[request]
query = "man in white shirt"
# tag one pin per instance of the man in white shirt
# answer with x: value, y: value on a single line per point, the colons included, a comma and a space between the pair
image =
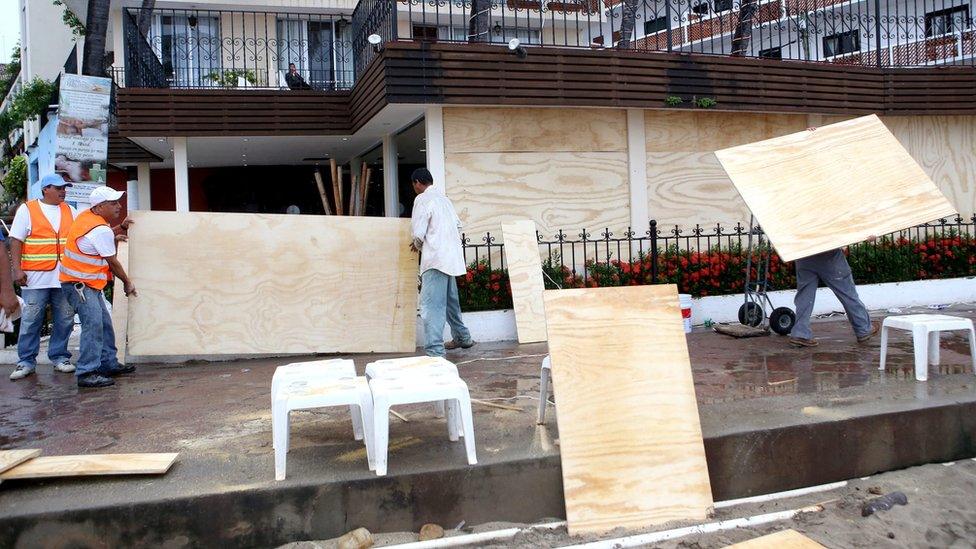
x: 436, y: 231
x: 36, y: 242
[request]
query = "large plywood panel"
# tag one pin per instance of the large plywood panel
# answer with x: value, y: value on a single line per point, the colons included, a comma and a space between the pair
x: 214, y: 283
x: 684, y: 131
x: 525, y: 277
x: 787, y: 539
x: 685, y: 188
x: 555, y: 190
x: 96, y: 464
x: 11, y: 458
x: 120, y: 304
x: 821, y: 190
x: 630, y: 438
x: 487, y: 129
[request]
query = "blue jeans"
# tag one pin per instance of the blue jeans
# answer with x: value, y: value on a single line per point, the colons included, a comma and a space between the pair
x: 98, y: 353
x: 439, y: 302
x: 31, y: 320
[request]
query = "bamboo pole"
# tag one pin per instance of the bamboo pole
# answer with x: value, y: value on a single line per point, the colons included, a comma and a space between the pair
x: 368, y: 175
x: 341, y: 206
x: 353, y: 193
x: 335, y: 187
x: 321, y: 185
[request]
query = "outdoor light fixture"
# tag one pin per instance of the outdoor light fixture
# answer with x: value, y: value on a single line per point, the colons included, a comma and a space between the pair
x: 375, y: 40
x: 192, y: 20
x: 514, y: 45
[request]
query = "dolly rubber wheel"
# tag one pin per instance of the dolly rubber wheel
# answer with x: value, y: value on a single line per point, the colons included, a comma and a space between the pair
x: 781, y: 320
x: 750, y: 314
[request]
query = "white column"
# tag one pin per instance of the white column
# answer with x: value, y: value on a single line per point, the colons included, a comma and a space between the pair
x: 637, y: 160
x: 434, y: 126
x: 181, y: 174
x: 391, y: 184
x: 145, y: 193
x: 118, y: 39
x: 132, y: 194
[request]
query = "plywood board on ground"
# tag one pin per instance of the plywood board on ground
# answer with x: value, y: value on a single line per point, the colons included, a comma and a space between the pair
x: 787, y: 539
x: 630, y: 436
x: 120, y: 303
x: 525, y: 277
x: 218, y: 283
x: 820, y: 190
x: 11, y: 458
x: 90, y: 465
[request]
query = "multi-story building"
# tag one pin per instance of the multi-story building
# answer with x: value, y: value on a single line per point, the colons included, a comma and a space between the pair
x: 208, y: 119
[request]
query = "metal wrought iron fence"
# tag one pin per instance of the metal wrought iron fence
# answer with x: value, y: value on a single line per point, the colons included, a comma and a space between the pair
x: 945, y: 248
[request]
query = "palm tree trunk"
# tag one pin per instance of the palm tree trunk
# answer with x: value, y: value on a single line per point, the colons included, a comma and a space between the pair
x: 743, y: 29
x: 145, y: 16
x: 478, y: 23
x: 96, y: 25
x: 628, y: 12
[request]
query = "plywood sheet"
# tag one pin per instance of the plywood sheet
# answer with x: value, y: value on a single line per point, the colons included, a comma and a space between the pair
x: 787, y: 539
x: 218, y: 283
x: 487, y: 129
x: 11, y: 458
x: 689, y: 188
x: 820, y: 190
x: 96, y: 464
x: 630, y: 437
x: 690, y: 131
x: 525, y: 277
x: 566, y: 191
x: 120, y: 304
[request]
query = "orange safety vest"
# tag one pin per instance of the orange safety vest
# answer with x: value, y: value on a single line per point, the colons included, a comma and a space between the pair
x: 77, y: 266
x: 43, y: 247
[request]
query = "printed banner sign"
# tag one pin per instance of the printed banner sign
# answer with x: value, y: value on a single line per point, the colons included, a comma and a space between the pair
x: 81, y: 153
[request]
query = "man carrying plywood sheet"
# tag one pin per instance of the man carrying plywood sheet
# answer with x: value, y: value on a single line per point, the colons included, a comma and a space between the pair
x: 815, y: 192
x: 436, y: 231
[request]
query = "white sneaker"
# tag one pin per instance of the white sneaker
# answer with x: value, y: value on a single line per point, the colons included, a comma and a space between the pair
x: 21, y: 372
x: 64, y: 367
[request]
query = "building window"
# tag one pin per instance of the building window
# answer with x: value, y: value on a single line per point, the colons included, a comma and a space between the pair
x: 841, y: 43
x: 946, y: 21
x: 700, y: 9
x: 309, y: 45
x: 427, y: 33
x: 656, y: 25
x: 189, y: 48
x: 722, y: 5
x: 771, y: 53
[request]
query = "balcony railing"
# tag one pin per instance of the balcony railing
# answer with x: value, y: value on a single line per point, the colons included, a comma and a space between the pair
x: 191, y: 48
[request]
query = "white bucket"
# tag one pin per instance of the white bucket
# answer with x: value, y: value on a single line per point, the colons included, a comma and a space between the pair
x: 685, y: 301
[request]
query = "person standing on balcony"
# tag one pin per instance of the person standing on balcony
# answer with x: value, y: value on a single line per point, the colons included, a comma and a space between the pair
x: 88, y: 265
x: 37, y: 236
x: 436, y: 231
x: 295, y: 80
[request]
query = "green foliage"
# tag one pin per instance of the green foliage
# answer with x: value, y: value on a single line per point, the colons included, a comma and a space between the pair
x: 228, y: 79
x: 673, y: 101
x: 484, y: 289
x: 29, y: 103
x: 15, y: 182
x: 71, y: 20
x: 705, y: 102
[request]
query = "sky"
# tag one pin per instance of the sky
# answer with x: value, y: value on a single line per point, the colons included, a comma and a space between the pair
x: 9, y: 27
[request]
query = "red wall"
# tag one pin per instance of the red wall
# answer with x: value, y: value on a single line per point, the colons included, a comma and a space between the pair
x: 163, y: 186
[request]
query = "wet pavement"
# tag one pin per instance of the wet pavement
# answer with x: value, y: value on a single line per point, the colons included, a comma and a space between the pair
x: 217, y: 415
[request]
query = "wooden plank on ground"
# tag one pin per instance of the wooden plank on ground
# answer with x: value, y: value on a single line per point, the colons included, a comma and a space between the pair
x: 630, y: 437
x: 12, y: 458
x: 525, y: 277
x: 87, y: 465
x: 787, y: 539
x: 815, y: 191
x: 220, y: 283
x: 120, y: 303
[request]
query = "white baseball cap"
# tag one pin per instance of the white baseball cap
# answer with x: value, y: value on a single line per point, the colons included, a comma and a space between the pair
x: 104, y: 194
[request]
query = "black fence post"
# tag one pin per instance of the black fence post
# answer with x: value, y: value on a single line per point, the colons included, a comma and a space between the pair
x: 653, y: 235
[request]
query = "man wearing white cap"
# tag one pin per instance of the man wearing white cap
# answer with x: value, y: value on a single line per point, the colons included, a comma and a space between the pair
x: 37, y: 238
x: 88, y: 264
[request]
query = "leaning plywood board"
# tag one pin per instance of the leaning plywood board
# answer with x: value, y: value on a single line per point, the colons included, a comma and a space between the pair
x: 819, y: 190
x: 630, y: 437
x: 525, y: 277
x: 95, y: 464
x: 11, y: 458
x: 120, y: 304
x: 217, y: 283
x: 787, y: 539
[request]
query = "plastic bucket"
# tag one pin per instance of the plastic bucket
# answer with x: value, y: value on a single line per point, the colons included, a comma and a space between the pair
x: 685, y: 302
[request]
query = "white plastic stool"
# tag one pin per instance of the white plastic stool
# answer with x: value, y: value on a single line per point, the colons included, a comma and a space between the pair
x: 925, y: 337
x: 544, y: 388
x: 411, y: 367
x: 432, y: 388
x: 318, y: 369
x: 303, y: 394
